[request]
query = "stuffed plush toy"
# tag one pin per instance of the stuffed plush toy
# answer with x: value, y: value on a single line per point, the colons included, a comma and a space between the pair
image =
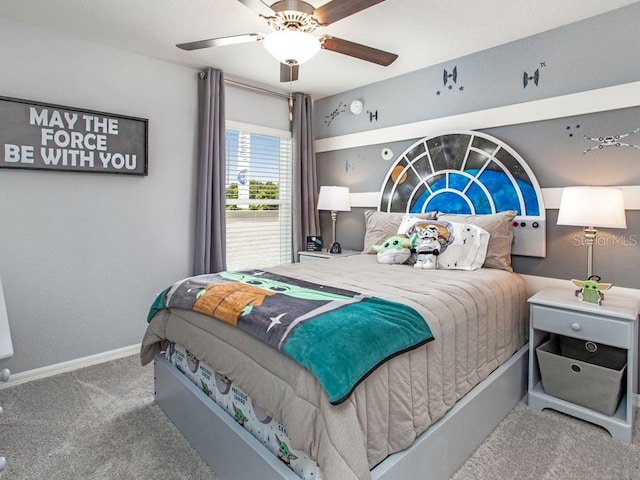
x: 432, y: 239
x: 591, y: 289
x: 427, y: 248
x: 395, y: 250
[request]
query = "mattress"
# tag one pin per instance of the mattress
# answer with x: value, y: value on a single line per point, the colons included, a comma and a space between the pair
x: 478, y: 318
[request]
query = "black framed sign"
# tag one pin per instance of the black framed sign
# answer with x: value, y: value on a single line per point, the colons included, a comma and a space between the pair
x: 314, y: 244
x: 41, y: 136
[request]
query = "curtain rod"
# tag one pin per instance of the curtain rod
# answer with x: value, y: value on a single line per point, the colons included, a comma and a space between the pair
x: 256, y: 89
x: 246, y: 86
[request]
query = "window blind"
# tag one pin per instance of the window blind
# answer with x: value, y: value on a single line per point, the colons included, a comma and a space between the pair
x: 258, y: 197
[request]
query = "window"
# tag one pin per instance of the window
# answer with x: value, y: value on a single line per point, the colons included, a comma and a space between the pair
x: 258, y: 196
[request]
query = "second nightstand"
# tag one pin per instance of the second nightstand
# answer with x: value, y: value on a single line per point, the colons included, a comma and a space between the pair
x: 614, y: 323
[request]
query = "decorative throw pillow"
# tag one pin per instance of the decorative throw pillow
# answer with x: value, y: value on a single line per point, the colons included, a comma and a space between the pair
x: 468, y: 249
x: 499, y: 226
x: 382, y: 225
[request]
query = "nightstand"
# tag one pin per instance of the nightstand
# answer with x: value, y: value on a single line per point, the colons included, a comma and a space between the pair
x: 614, y: 323
x: 305, y: 256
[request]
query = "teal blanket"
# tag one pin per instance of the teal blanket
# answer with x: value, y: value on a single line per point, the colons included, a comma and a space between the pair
x: 340, y: 336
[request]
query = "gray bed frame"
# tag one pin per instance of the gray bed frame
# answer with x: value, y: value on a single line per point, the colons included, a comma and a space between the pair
x: 234, y: 454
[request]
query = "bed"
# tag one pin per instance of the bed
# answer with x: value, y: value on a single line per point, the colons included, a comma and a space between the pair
x: 422, y: 411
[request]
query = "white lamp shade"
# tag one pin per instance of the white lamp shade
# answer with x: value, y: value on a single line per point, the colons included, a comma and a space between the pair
x: 334, y: 199
x: 592, y: 207
x: 291, y: 46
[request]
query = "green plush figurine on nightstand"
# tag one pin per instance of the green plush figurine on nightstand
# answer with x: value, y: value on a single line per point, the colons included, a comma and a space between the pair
x: 591, y: 289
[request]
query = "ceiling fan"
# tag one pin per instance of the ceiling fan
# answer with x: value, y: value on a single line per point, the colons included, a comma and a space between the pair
x: 291, y: 41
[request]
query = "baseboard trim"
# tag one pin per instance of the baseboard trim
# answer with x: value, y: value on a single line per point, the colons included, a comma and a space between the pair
x: 50, y: 370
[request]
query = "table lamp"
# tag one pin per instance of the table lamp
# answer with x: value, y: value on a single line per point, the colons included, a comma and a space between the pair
x: 335, y: 199
x: 591, y: 207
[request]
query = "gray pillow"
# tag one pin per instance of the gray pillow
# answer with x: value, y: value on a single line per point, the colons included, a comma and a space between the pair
x: 500, y: 228
x: 382, y: 225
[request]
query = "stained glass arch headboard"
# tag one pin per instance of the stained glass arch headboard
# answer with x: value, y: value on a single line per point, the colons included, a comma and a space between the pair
x: 468, y: 172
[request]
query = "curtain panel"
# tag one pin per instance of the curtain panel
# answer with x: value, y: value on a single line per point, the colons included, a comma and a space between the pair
x: 210, y: 245
x: 306, y: 220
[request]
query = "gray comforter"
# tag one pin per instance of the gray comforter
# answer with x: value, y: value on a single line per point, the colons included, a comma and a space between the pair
x: 479, y: 319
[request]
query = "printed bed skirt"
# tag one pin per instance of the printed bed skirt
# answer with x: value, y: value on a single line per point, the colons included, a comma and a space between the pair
x: 243, y: 410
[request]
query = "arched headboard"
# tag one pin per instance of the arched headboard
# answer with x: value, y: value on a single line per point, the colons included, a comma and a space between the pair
x: 469, y: 173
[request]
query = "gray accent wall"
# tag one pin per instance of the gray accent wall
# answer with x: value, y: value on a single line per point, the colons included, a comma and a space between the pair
x: 594, y: 53
x: 597, y: 52
x: 82, y: 256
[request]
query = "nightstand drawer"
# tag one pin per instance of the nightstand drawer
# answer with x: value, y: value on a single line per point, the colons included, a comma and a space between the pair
x: 309, y: 258
x: 306, y: 256
x: 605, y: 330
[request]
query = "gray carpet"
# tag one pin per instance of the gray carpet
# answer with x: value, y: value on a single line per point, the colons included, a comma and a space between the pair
x: 100, y: 423
x: 96, y: 423
x: 547, y: 445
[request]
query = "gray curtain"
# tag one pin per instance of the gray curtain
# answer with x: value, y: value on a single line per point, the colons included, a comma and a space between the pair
x: 210, y: 247
x: 305, y: 183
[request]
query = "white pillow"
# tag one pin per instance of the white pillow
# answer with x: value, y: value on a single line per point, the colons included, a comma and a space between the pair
x: 468, y: 249
x: 501, y: 231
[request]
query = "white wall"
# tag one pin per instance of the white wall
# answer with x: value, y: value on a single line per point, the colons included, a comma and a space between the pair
x: 83, y: 255
x: 255, y: 108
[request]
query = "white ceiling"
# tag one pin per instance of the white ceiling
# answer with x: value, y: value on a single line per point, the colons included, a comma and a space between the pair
x: 421, y: 32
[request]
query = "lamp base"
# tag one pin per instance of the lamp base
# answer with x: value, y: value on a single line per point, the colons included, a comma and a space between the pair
x: 335, y: 248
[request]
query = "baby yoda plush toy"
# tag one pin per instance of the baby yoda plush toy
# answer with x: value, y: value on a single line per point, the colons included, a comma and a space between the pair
x: 395, y: 250
x: 591, y: 290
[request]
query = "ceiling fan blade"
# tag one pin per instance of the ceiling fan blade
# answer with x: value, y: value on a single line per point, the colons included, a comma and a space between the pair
x: 338, y: 9
x: 289, y: 73
x: 357, y: 50
x: 258, y: 6
x: 221, y: 41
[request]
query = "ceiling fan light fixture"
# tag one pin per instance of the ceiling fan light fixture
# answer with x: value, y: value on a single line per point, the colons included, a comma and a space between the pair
x: 291, y: 46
